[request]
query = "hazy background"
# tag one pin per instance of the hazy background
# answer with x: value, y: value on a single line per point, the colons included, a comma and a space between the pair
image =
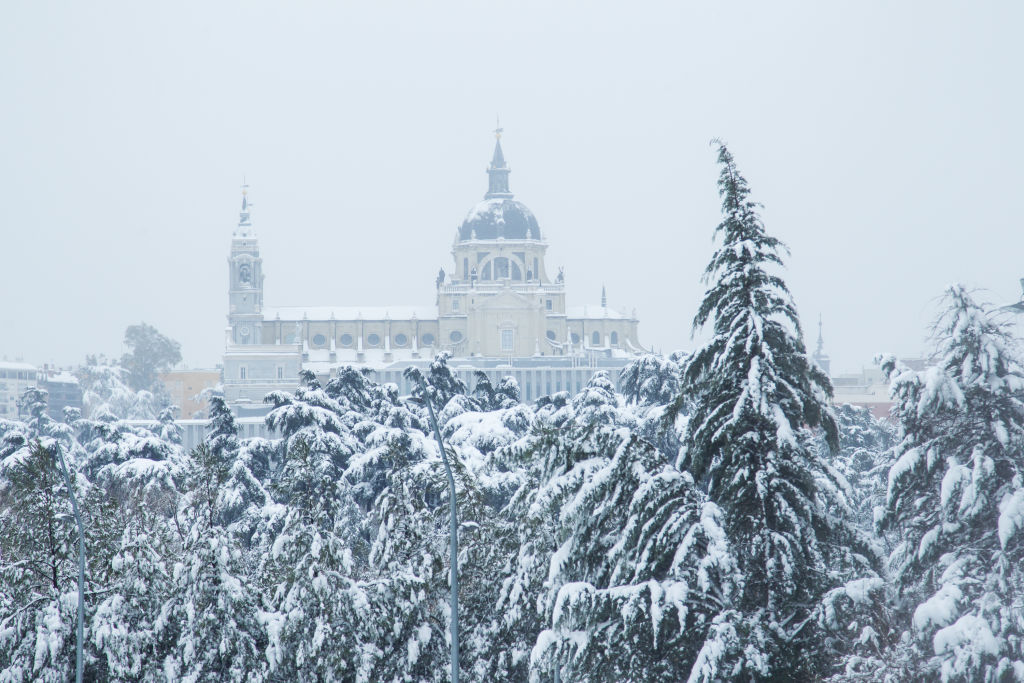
x: 883, y: 138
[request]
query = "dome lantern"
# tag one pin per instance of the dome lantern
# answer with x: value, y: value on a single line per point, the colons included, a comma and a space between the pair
x: 498, y: 171
x: 499, y: 216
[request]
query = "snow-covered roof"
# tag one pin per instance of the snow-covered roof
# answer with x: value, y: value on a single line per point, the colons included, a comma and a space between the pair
x: 594, y: 312
x: 500, y: 217
x: 350, y: 312
x: 62, y: 377
x: 11, y: 365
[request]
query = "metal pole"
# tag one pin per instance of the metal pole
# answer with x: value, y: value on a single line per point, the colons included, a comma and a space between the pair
x: 81, y: 567
x: 454, y: 537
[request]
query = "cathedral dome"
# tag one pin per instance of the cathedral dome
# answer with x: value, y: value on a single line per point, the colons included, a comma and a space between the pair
x: 499, y: 217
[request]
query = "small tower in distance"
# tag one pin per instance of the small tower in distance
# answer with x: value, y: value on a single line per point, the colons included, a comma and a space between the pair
x: 820, y: 357
x: 245, y: 280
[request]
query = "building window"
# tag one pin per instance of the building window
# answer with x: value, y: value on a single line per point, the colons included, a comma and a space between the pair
x: 547, y: 304
x: 319, y: 339
x: 241, y: 372
x: 455, y: 336
x: 401, y: 340
x: 455, y: 305
x: 373, y: 339
x: 508, y: 340
x: 615, y: 338
x: 428, y: 339
x: 595, y: 339
x: 551, y: 335
x: 536, y: 269
x: 575, y: 338
x: 280, y: 372
x: 465, y: 268
x: 346, y: 340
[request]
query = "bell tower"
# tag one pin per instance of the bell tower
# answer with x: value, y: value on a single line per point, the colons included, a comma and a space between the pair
x: 245, y: 281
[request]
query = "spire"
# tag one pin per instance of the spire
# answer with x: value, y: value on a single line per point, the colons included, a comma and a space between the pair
x: 821, y: 342
x: 604, y: 297
x: 498, y: 171
x: 820, y: 357
x: 244, y: 218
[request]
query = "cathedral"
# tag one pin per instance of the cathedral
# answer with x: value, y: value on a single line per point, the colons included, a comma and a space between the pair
x: 497, y: 311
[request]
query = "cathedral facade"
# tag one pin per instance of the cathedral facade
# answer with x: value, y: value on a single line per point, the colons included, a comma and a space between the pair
x: 497, y: 310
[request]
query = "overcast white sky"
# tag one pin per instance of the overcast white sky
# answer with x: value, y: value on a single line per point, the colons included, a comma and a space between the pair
x: 884, y: 139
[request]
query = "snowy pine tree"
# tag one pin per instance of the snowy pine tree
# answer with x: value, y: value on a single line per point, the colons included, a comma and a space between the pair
x: 317, y: 606
x: 956, y: 501
x: 752, y: 387
x: 38, y: 566
x: 209, y: 626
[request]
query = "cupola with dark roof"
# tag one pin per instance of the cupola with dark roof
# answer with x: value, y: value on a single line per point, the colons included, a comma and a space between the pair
x: 499, y: 216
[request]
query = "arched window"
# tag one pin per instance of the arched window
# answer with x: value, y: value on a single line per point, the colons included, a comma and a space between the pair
x: 486, y: 274
x: 595, y: 339
x: 500, y: 268
x: 615, y: 338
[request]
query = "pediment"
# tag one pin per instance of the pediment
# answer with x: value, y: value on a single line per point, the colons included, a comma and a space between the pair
x: 507, y: 300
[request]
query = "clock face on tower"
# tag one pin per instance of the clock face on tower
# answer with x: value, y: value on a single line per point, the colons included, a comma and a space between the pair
x: 245, y: 275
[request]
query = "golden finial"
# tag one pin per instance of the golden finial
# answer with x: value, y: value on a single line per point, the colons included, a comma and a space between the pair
x: 498, y: 131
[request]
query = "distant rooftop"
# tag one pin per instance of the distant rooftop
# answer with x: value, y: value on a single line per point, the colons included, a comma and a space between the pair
x: 12, y: 365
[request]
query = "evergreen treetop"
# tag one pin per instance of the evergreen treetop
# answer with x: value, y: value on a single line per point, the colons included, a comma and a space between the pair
x: 752, y: 390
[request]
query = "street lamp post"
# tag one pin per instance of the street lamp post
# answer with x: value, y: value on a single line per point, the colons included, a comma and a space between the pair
x: 454, y: 535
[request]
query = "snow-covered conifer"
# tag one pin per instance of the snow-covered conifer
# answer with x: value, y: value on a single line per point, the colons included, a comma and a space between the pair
x: 442, y: 382
x: 209, y: 626
x: 38, y: 566
x: 650, y: 380
x: 751, y: 388
x: 955, y: 500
